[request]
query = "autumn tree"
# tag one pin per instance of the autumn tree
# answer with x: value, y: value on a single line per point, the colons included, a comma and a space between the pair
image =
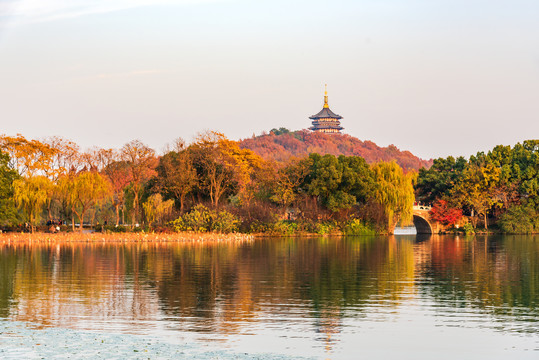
x: 222, y: 166
x: 119, y: 175
x: 30, y: 195
x: 288, y: 180
x: 176, y: 176
x: 28, y: 157
x: 141, y: 162
x: 65, y: 157
x: 476, y: 190
x: 442, y: 212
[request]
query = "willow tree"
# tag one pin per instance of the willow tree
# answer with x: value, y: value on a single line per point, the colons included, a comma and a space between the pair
x: 84, y: 191
x: 394, y: 192
x: 30, y: 195
x: 156, y: 209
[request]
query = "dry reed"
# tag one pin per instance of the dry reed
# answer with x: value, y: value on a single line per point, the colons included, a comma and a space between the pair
x: 187, y: 237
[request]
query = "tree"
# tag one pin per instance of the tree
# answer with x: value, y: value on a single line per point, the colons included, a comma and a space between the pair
x: 8, y: 211
x: 477, y: 189
x: 28, y: 157
x: 442, y: 212
x: 394, y: 191
x: 85, y: 190
x: 65, y: 157
x: 222, y: 166
x: 339, y: 183
x: 119, y: 175
x: 30, y: 195
x: 288, y: 181
x: 141, y: 161
x: 438, y: 181
x: 156, y: 209
x: 176, y: 176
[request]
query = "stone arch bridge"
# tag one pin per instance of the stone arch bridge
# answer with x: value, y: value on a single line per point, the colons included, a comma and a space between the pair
x: 422, y: 221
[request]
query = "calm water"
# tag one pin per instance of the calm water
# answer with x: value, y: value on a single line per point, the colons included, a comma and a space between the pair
x: 329, y: 298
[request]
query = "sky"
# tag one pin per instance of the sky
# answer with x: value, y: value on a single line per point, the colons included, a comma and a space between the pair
x: 435, y: 77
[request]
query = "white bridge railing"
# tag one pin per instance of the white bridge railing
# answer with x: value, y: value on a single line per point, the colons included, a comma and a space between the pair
x: 422, y: 207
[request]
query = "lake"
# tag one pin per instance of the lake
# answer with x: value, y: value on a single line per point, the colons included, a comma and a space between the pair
x: 406, y: 296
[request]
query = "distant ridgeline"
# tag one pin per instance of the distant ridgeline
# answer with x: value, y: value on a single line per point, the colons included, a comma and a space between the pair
x: 282, y: 144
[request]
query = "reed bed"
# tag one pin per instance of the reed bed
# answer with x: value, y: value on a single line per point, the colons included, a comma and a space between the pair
x: 186, y: 237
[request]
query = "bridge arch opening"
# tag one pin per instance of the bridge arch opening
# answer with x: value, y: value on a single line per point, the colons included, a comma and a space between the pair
x: 420, y: 226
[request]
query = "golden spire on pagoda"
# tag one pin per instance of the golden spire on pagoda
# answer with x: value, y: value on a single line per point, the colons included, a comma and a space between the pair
x: 326, y: 106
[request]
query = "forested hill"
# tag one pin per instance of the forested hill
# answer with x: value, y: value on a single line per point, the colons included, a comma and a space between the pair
x: 282, y: 144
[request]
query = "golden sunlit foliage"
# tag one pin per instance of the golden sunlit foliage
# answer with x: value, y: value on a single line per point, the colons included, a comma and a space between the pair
x: 30, y: 194
x: 98, y: 185
x: 394, y: 191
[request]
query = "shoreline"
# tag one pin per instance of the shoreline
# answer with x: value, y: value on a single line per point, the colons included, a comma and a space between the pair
x: 97, y: 237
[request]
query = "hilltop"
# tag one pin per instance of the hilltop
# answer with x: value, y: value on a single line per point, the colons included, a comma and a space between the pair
x: 282, y: 144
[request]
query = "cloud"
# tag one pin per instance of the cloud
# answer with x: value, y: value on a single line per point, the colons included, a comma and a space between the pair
x: 28, y: 11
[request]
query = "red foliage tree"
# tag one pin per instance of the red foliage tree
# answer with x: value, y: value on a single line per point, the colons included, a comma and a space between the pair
x: 445, y: 214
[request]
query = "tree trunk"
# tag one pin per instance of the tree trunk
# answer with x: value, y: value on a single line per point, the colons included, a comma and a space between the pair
x: 49, y: 210
x: 182, y: 198
x: 117, y: 207
x: 486, y: 224
x: 73, y: 218
x: 135, y: 209
x: 81, y: 218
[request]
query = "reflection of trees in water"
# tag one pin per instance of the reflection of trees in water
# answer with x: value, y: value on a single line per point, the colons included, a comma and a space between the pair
x: 207, y: 286
x: 219, y: 287
x: 62, y: 285
x: 496, y: 274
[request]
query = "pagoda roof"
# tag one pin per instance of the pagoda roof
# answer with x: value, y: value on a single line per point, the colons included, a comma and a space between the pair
x: 326, y: 113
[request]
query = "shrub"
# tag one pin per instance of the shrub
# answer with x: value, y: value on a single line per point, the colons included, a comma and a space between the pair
x: 285, y: 227
x: 197, y: 220
x: 202, y: 219
x: 357, y: 227
x: 468, y: 229
x: 258, y: 227
x: 224, y: 222
x: 324, y: 228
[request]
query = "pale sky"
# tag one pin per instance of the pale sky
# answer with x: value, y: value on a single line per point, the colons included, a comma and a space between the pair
x: 436, y: 77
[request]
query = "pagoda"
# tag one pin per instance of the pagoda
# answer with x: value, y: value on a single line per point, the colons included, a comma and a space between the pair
x: 326, y: 121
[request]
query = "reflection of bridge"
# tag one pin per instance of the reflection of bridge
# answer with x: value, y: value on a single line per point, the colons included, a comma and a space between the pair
x: 422, y: 221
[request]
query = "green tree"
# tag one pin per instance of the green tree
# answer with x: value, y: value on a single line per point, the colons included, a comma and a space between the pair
x: 339, y: 182
x: 8, y: 211
x: 438, y: 181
